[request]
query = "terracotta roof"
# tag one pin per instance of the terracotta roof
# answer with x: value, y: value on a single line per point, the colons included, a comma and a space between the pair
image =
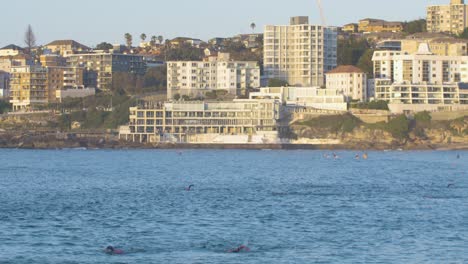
x: 345, y: 69
x: 67, y: 42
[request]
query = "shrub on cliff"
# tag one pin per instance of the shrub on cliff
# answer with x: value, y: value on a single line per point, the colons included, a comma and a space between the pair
x: 4, y: 106
x: 333, y: 123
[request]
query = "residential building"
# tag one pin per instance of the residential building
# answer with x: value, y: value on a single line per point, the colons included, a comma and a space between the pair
x: 35, y: 85
x: 350, y: 80
x: 28, y: 87
x: 315, y: 97
x: 350, y: 28
x: 300, y: 53
x: 183, y: 40
x: 7, y: 62
x: 4, y: 84
x: 196, y: 78
x: 11, y: 50
x: 370, y: 25
x: 195, y: 121
x: 64, y: 78
x: 100, y: 67
x: 421, y: 81
x: 52, y: 60
x: 439, y: 44
x: 66, y: 47
x: 451, y: 18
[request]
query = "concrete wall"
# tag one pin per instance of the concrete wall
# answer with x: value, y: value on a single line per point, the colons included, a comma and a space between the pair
x: 401, y: 108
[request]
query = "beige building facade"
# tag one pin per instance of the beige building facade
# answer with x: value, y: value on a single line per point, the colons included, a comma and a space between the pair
x: 451, y: 18
x: 300, y: 53
x: 28, y: 87
x: 195, y: 78
x: 350, y: 80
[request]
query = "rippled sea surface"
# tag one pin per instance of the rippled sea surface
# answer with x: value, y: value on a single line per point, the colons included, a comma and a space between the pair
x: 65, y: 206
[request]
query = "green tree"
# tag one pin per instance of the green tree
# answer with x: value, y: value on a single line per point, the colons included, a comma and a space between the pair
x: 277, y: 83
x: 399, y: 127
x: 153, y: 40
x: 365, y: 62
x: 351, y: 50
x: 160, y: 39
x: 464, y: 34
x: 29, y: 39
x: 415, y: 26
x: 104, y: 46
x: 143, y: 37
x: 128, y: 40
x: 253, y: 26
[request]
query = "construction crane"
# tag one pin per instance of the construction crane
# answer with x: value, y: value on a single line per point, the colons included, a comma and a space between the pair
x: 322, y: 14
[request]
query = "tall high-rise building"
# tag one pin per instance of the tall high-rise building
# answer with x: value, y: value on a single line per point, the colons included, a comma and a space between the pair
x: 452, y: 18
x: 300, y: 53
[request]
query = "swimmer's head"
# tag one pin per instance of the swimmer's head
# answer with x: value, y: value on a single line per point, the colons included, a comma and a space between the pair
x: 110, y: 249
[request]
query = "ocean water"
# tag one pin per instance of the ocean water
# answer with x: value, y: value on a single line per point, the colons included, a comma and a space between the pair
x: 65, y: 206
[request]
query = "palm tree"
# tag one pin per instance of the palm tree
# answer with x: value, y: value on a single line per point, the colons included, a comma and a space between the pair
x: 128, y: 39
x: 153, y: 40
x: 160, y: 39
x: 253, y: 26
x: 143, y: 37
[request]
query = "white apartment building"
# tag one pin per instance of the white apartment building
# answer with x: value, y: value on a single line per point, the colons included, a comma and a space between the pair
x: 188, y: 121
x: 195, y: 78
x: 300, y: 53
x: 421, y: 81
x: 452, y: 18
x: 349, y: 80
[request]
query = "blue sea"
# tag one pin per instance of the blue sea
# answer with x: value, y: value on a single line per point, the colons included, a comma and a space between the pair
x: 66, y: 206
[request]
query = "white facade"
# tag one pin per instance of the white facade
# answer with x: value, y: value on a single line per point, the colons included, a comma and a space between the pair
x: 325, y: 99
x: 421, y: 67
x: 76, y: 92
x: 300, y: 53
x: 195, y: 78
x: 349, y: 80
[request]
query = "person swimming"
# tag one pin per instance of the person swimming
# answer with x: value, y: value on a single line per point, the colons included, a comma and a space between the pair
x: 239, y: 249
x: 188, y: 189
x: 113, y: 251
x: 357, y: 156
x: 365, y: 156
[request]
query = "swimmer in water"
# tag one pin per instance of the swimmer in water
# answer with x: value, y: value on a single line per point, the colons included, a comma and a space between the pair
x: 357, y: 156
x: 188, y: 189
x: 335, y: 156
x: 365, y: 156
x: 239, y: 249
x: 113, y: 251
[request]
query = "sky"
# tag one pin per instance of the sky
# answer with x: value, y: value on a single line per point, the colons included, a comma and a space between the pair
x: 93, y: 21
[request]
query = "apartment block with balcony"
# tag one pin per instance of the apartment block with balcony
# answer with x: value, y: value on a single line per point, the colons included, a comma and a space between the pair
x: 421, y: 81
x: 182, y: 121
x: 300, y: 53
x: 196, y: 78
x: 4, y: 84
x: 100, y: 67
x: 28, y: 87
x: 451, y: 18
